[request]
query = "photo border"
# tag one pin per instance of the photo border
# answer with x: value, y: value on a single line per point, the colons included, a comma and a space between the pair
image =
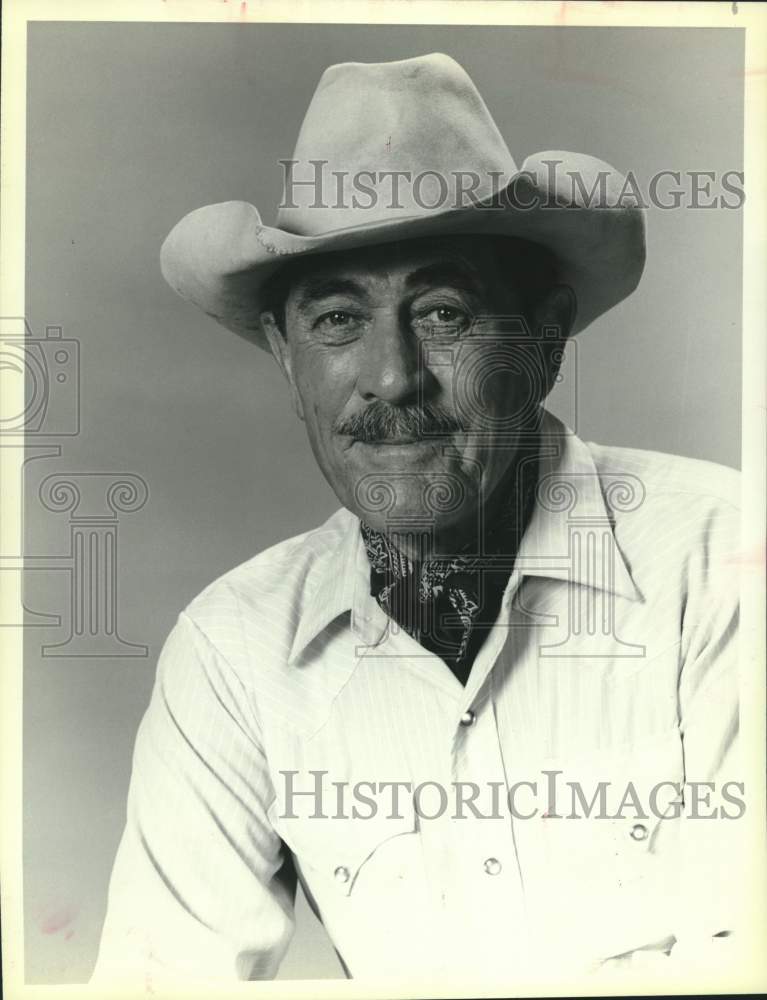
x: 750, y: 17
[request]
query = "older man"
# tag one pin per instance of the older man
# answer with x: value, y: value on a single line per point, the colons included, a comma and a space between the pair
x: 478, y: 710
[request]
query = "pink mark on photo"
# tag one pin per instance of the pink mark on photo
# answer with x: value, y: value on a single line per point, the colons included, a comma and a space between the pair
x: 757, y: 557
x: 57, y: 919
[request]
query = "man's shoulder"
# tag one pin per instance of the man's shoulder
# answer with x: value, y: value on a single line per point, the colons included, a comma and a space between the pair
x: 671, y: 515
x: 666, y: 480
x: 257, y: 604
x: 281, y: 571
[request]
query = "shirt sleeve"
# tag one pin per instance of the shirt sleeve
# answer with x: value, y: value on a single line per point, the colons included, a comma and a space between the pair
x: 704, y: 874
x: 709, y: 722
x: 703, y: 850
x: 201, y: 888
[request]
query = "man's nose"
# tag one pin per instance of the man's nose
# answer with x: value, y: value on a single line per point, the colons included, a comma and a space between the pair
x: 390, y: 368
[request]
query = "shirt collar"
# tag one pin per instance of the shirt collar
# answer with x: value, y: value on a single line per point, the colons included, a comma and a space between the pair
x: 570, y: 537
x: 571, y: 532
x: 343, y: 584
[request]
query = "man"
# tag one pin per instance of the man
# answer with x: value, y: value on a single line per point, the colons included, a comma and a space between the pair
x: 477, y: 710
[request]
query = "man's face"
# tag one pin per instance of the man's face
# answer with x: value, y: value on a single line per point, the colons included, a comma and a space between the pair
x: 413, y: 407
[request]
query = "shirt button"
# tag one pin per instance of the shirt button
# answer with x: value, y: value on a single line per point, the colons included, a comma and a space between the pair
x: 467, y: 719
x: 639, y: 831
x: 341, y: 874
x: 493, y: 866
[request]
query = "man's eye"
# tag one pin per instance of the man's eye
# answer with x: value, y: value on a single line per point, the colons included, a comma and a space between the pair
x: 443, y: 319
x: 334, y: 318
x: 338, y: 326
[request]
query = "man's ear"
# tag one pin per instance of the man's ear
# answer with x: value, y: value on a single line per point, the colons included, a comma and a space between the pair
x: 555, y: 311
x: 278, y: 345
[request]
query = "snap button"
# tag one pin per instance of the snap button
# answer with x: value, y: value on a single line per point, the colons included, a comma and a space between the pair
x: 468, y: 717
x: 493, y: 866
x: 639, y: 831
x: 341, y: 874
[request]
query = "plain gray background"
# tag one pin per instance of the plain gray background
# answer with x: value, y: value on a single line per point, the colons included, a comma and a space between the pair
x: 132, y: 126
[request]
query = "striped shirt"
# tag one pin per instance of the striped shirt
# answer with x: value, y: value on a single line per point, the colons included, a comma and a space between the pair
x: 544, y: 815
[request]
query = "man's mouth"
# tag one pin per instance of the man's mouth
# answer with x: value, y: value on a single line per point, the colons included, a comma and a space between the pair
x: 394, y: 442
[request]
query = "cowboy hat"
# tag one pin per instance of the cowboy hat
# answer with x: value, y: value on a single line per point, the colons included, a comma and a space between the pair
x: 383, y: 153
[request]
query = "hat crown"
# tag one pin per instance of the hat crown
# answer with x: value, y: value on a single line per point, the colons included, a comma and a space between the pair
x: 425, y: 118
x: 382, y: 141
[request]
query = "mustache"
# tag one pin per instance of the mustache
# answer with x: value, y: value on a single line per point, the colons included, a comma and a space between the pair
x: 381, y: 421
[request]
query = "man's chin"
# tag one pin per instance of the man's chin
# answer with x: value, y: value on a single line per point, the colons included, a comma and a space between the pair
x: 417, y: 504
x: 408, y: 483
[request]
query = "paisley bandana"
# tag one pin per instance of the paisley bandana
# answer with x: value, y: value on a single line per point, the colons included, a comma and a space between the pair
x: 448, y: 604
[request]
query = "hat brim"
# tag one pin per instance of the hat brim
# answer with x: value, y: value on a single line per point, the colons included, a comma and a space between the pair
x: 218, y: 257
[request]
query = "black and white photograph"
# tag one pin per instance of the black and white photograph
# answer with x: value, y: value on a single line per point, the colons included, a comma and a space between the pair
x: 383, y: 476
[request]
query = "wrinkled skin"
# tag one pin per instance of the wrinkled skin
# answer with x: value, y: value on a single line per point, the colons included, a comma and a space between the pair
x: 392, y: 330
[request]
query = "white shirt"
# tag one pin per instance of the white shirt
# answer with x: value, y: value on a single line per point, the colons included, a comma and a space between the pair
x: 613, y: 659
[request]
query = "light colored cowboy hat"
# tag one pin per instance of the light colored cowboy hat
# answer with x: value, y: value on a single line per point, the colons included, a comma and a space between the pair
x: 423, y: 116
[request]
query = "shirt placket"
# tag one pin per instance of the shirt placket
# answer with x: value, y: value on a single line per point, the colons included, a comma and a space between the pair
x: 490, y: 887
x: 470, y: 861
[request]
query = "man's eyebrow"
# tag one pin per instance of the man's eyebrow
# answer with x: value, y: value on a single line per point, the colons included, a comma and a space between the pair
x: 313, y: 289
x: 447, y: 272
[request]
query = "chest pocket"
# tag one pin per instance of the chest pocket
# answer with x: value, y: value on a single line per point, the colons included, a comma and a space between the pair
x: 622, y: 853
x: 617, y: 803
x: 346, y: 856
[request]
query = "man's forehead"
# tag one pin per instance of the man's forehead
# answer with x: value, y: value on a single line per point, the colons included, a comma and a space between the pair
x: 431, y: 259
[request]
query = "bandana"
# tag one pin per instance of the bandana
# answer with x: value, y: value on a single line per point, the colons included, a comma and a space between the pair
x: 448, y: 604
